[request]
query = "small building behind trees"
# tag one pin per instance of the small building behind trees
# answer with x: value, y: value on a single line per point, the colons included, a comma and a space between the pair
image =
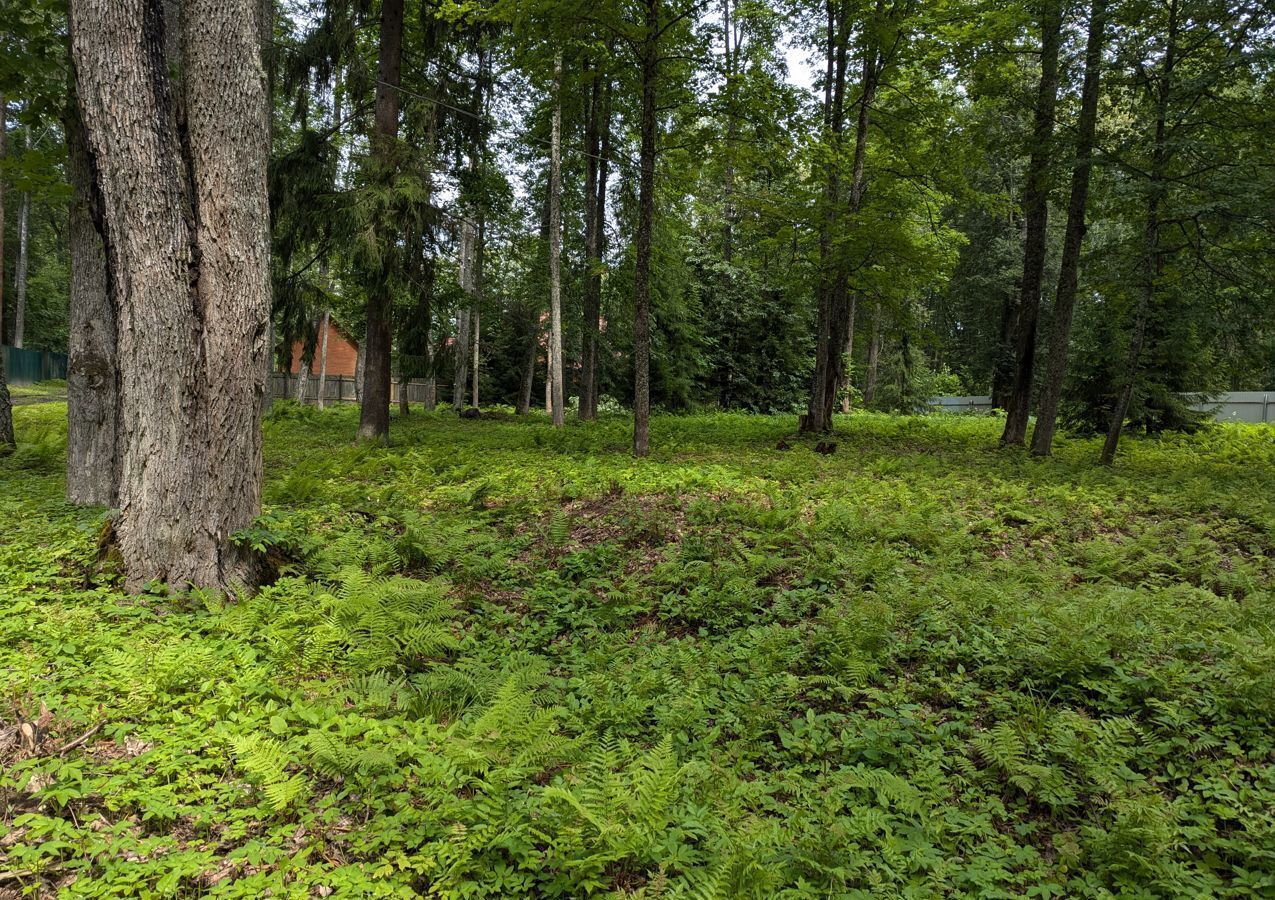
x: 343, y: 354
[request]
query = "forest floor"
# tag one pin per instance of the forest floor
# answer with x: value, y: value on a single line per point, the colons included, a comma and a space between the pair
x: 40, y: 392
x: 504, y: 661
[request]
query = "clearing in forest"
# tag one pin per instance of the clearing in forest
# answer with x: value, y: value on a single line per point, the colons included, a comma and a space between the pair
x: 503, y: 660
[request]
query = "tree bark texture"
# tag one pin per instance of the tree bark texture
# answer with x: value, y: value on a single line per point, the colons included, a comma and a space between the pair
x: 4, y: 150
x: 20, y: 271
x: 555, y: 248
x: 184, y: 218
x: 836, y: 305
x: 92, y: 390
x: 1151, y: 259
x: 650, y: 65
x: 374, y: 417
x: 323, y: 358
x: 7, y: 442
x: 1073, y: 241
x: 597, y: 173
x: 874, y: 361
x: 1036, y: 211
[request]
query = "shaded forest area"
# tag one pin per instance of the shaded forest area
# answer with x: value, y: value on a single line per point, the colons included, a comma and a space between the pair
x: 878, y: 202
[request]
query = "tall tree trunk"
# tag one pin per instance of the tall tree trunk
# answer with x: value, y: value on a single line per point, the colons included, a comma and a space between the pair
x: 431, y: 380
x: 555, y: 248
x: 732, y: 133
x: 4, y: 152
x: 528, y: 367
x: 1036, y: 210
x: 326, y: 324
x: 836, y: 307
x: 1151, y: 260
x: 473, y: 396
x: 20, y: 271
x: 1069, y: 272
x: 548, y: 386
x: 818, y: 415
x: 460, y: 384
x: 874, y: 361
x: 92, y: 459
x: 305, y: 365
x: 360, y: 370
x: 265, y: 49
x: 7, y: 442
x: 374, y: 418
x: 597, y: 149
x: 184, y: 214
x: 847, y: 386
x: 650, y: 64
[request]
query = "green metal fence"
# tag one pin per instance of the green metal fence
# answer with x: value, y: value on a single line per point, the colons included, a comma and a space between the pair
x: 30, y: 366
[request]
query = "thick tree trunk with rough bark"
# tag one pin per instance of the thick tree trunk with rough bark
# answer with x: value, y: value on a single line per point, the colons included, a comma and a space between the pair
x: 555, y: 249
x: 92, y: 458
x: 374, y: 417
x: 165, y: 104
x: 650, y: 66
x: 1069, y: 271
x: 1036, y: 211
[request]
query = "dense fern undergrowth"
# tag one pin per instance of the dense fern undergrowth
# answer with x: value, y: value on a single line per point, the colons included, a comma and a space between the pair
x: 504, y: 661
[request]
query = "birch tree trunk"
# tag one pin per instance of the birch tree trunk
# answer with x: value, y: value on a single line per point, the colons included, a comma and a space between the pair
x: 650, y: 65
x: 166, y: 101
x: 1069, y: 271
x: 92, y: 459
x: 474, y: 380
x: 595, y: 243
x: 303, y: 371
x: 323, y: 359
x: 1036, y: 210
x: 374, y: 415
x: 20, y: 272
x: 555, y: 249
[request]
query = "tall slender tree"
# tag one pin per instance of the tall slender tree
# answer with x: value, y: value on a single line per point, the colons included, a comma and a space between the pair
x: 555, y: 250
x: 1073, y: 242
x: 374, y: 417
x: 649, y: 66
x: 1036, y: 212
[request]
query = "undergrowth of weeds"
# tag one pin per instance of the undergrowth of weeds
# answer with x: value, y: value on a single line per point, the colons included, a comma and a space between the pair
x: 501, y: 660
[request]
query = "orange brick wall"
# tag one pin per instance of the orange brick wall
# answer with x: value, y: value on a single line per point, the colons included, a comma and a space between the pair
x: 343, y: 354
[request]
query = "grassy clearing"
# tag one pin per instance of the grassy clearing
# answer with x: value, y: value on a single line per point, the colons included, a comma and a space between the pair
x: 503, y: 661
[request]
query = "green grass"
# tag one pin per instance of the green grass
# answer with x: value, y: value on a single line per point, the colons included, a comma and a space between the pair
x: 504, y: 661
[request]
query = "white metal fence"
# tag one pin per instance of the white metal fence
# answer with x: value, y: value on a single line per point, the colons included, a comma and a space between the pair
x: 1241, y: 406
